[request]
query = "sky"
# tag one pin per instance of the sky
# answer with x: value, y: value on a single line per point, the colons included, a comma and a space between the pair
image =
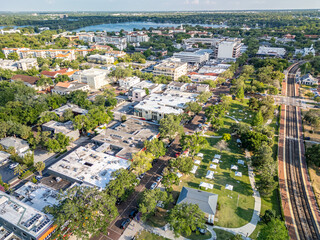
x: 153, y: 5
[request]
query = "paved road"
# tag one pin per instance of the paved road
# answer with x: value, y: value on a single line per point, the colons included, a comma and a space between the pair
x: 6, y: 173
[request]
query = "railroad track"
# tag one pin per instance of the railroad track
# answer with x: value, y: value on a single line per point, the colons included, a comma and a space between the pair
x: 306, y: 227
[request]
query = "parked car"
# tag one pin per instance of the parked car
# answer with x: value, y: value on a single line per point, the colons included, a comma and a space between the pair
x: 202, y: 230
x: 307, y: 138
x: 13, y: 165
x: 38, y: 177
x: 125, y: 223
x: 133, y: 213
x: 159, y: 179
x: 119, y: 201
x: 141, y: 175
x: 153, y: 186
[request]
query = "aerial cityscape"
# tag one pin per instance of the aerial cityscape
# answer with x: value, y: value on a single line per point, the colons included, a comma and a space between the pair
x: 157, y: 120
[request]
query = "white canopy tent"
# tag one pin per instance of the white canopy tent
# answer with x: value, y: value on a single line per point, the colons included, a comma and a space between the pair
x: 213, y: 166
x: 238, y: 174
x: 229, y: 187
x: 206, y: 185
x: 194, y: 169
x: 210, y: 174
x: 234, y: 167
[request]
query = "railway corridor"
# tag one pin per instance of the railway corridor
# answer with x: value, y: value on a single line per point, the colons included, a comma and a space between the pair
x: 301, y: 211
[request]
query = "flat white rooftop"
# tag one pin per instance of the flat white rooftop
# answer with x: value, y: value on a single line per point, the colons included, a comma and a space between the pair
x: 37, y: 195
x: 23, y: 216
x: 59, y: 111
x: 85, y: 165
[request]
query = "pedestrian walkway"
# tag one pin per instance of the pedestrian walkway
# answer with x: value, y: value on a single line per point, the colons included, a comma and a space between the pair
x: 232, y: 118
x: 248, y: 229
x: 209, y: 136
x: 136, y: 227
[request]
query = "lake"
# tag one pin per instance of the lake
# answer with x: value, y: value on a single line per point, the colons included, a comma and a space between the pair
x: 129, y: 26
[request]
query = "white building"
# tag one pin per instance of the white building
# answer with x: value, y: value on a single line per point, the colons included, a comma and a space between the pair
x: 75, y: 109
x: 88, y: 166
x: 156, y: 106
x: 178, y: 86
x: 95, y: 78
x: 103, y: 59
x: 228, y: 49
x: 138, y: 91
x: 10, y: 31
x: 198, y: 56
x: 172, y: 68
x: 271, y: 51
x: 23, y: 220
x: 306, y: 51
x: 137, y: 37
x: 308, y: 79
x: 127, y: 83
x: 22, y: 64
x: 4, y: 157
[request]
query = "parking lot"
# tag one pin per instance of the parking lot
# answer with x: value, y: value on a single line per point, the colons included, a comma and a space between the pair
x: 6, y: 173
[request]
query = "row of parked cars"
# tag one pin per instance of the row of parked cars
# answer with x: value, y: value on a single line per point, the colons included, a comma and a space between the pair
x: 127, y: 221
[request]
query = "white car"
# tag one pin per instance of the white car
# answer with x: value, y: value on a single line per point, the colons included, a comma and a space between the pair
x: 13, y: 165
x: 153, y: 186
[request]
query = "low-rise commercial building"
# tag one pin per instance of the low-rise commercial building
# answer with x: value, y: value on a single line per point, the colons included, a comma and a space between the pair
x: 87, y: 166
x: 95, y: 78
x: 124, y: 139
x: 23, y: 220
x: 171, y: 68
x: 271, y: 51
x: 195, y: 57
x: 139, y: 90
x: 58, y: 127
x: 156, y: 106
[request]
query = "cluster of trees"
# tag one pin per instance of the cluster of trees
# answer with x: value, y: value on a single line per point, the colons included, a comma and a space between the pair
x: 312, y: 118
x: 274, y: 227
x: 170, y: 126
x: 264, y: 108
x: 216, y: 112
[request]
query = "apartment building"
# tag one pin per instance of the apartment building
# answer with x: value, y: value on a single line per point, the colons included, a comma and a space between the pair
x: 22, y: 64
x: 171, y: 68
x: 137, y: 37
x: 95, y: 78
x: 196, y: 57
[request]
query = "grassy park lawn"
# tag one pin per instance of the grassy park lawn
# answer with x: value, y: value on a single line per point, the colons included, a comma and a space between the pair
x: 198, y: 236
x: 236, y: 207
x: 145, y: 235
x: 221, y: 234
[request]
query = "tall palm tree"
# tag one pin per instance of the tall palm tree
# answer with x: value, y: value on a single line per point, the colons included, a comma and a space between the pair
x: 19, y: 169
x: 40, y: 166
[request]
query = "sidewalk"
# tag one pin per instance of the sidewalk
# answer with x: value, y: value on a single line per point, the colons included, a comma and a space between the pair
x: 248, y: 229
x: 136, y: 227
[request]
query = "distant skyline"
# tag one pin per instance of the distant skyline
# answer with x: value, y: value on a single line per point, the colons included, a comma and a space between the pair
x: 155, y: 5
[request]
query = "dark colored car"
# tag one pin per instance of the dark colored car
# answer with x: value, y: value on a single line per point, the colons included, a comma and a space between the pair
x: 125, y: 223
x: 119, y: 201
x: 142, y: 175
x: 307, y: 138
x: 133, y: 213
x: 202, y: 230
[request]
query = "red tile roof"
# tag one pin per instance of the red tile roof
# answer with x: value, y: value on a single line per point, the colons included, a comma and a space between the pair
x: 25, y: 78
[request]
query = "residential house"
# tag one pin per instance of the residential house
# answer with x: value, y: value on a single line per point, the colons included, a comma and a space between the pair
x: 21, y: 146
x: 308, y: 79
x: 29, y: 81
x: 58, y: 127
x: 64, y: 88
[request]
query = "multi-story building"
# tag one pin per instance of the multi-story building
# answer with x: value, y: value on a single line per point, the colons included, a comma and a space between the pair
x: 104, y: 59
x: 22, y: 64
x: 210, y: 42
x: 198, y: 56
x: 139, y: 90
x: 24, y: 221
x: 137, y: 37
x: 171, y: 68
x: 66, y: 54
x: 228, y: 49
x: 127, y: 83
x: 95, y: 78
x: 118, y: 42
x: 156, y: 106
